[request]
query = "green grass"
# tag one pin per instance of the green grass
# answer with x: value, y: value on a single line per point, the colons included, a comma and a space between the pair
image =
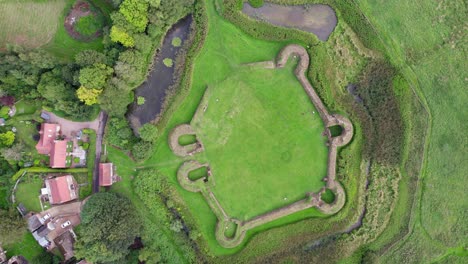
x: 64, y: 46
x: 187, y: 140
x: 30, y: 24
x: 428, y: 48
x: 28, y: 192
x: 198, y: 173
x: 225, y: 50
x: 28, y: 247
x: 328, y: 196
x: 33, y: 24
x: 262, y: 141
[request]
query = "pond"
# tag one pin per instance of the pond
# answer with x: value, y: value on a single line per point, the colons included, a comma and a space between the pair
x: 161, y: 76
x: 314, y: 18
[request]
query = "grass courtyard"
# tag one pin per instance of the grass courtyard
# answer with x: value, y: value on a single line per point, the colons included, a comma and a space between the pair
x: 262, y: 140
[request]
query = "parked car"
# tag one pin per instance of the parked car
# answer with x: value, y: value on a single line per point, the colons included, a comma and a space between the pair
x: 67, y: 223
x: 44, y: 218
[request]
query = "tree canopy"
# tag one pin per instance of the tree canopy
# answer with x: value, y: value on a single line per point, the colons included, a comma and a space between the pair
x: 148, y: 132
x: 109, y: 225
x: 95, y: 77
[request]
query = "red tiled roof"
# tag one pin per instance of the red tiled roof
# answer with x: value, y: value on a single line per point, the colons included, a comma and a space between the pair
x: 58, y: 154
x: 61, y: 189
x: 106, y: 173
x: 48, y: 134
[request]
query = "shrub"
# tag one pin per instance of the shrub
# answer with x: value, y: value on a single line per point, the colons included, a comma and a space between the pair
x: 140, y: 100
x: 4, y: 111
x: 89, y: 25
x: 168, y: 62
x: 85, y: 145
x: 256, y: 3
x: 142, y: 150
x: 176, y: 42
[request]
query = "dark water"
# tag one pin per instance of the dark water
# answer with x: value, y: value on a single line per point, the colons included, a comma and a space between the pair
x: 314, y: 18
x: 160, y: 78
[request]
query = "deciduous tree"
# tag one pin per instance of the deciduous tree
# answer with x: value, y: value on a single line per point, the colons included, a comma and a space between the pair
x: 95, y: 77
x: 88, y: 96
x: 109, y: 225
x: 148, y: 132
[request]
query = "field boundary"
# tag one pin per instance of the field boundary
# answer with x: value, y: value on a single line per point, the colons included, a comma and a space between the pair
x: 204, y: 184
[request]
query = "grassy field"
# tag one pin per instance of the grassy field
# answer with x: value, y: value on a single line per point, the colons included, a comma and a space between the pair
x: 262, y: 141
x: 64, y: 46
x: 431, y: 51
x: 28, y: 192
x: 29, y: 23
x: 33, y: 24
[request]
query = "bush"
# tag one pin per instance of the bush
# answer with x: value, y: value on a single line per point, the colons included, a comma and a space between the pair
x: 176, y: 42
x: 85, y: 145
x: 140, y: 100
x: 168, y: 62
x: 4, y: 111
x: 256, y: 3
x: 89, y: 25
x: 142, y: 150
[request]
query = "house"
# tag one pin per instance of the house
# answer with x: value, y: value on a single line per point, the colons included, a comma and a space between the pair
x: 106, y: 174
x: 61, y: 189
x: 58, y: 154
x: 48, y: 134
x: 41, y: 236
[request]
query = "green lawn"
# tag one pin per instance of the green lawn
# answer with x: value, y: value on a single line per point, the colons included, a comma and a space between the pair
x: 29, y: 23
x: 27, y: 247
x: 262, y: 141
x: 64, y: 46
x: 33, y: 24
x: 430, y: 49
x: 28, y: 192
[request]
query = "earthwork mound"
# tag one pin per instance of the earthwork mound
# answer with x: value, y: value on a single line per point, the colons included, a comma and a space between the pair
x: 84, y: 22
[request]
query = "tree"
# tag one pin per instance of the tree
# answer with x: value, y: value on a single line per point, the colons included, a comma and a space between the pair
x: 89, y: 57
x: 148, y: 132
x: 109, y: 225
x: 136, y: 13
x: 7, y: 139
x: 95, y: 77
x: 119, y: 35
x: 12, y: 227
x: 88, y: 96
x: 54, y: 89
x: 142, y: 150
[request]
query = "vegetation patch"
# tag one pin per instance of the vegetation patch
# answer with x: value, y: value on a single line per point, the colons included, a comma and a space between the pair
x: 176, y: 42
x: 84, y: 22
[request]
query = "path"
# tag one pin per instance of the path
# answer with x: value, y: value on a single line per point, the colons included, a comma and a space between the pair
x: 99, y: 136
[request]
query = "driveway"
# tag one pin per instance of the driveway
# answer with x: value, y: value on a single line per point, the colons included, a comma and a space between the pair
x: 68, y: 126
